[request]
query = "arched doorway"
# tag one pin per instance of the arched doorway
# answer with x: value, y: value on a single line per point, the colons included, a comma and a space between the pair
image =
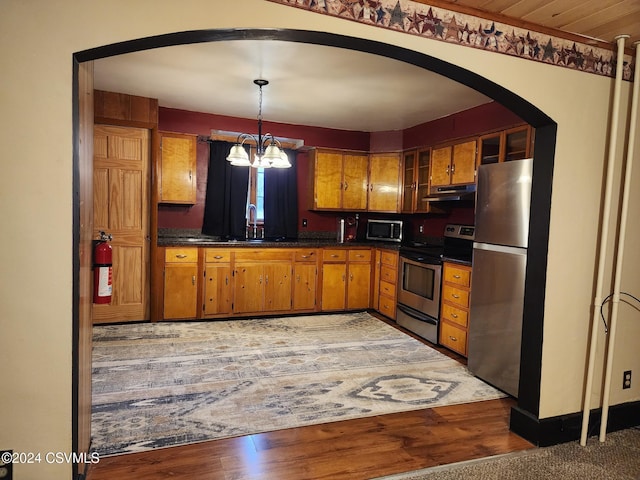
x: 529, y: 395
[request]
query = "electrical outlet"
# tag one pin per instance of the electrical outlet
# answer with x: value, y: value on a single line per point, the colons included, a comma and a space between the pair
x: 304, y: 222
x: 626, y: 379
x: 421, y: 228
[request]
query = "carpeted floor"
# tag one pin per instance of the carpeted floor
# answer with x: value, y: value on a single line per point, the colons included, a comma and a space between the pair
x: 618, y: 458
x: 164, y: 384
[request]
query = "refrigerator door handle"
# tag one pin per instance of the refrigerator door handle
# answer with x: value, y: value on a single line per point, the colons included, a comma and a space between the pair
x: 500, y: 248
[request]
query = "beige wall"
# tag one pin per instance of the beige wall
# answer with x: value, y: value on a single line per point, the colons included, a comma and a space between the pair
x: 37, y: 39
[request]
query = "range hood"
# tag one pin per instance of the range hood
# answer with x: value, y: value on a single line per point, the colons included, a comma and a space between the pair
x: 450, y: 193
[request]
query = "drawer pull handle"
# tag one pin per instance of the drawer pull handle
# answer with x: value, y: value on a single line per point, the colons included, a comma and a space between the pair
x: 333, y: 255
x: 453, y: 339
x: 193, y: 280
x: 181, y: 255
x: 359, y: 255
x: 456, y: 276
x: 218, y: 257
x: 454, y: 295
x: 454, y: 315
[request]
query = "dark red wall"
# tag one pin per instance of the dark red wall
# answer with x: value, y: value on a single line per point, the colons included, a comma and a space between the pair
x: 471, y: 122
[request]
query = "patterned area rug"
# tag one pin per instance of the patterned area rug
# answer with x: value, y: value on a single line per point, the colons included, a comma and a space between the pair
x: 165, y: 384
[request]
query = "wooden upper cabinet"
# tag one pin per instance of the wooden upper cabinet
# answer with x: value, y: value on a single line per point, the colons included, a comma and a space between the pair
x: 354, y: 181
x: 177, y: 169
x: 384, y: 182
x: 408, y: 204
x: 339, y: 180
x: 505, y: 146
x: 463, y: 163
x: 415, y: 182
x: 441, y: 166
x: 453, y: 164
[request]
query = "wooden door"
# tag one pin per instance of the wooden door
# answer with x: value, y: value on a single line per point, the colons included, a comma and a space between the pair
x: 384, y: 182
x: 354, y: 181
x: 121, y: 208
x: 334, y: 282
x: 180, y: 289
x: 277, y: 286
x: 327, y: 180
x: 304, y: 286
x: 217, y: 288
x: 441, y: 166
x: 177, y: 168
x: 464, y: 163
x: 359, y: 286
x: 248, y: 288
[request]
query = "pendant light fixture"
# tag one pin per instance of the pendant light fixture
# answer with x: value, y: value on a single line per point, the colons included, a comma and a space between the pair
x: 269, y: 151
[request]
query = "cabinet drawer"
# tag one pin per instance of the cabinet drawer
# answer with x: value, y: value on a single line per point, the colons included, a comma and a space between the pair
x: 453, y: 338
x: 213, y: 255
x: 334, y: 255
x: 180, y: 255
x: 455, y: 295
x: 305, y: 255
x: 262, y: 254
x: 458, y: 275
x: 388, y: 274
x: 387, y: 306
x: 359, y: 255
x: 387, y: 288
x: 455, y: 315
x: 389, y: 258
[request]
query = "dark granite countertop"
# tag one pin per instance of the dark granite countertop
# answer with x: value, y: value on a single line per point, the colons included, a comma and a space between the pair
x: 457, y: 260
x: 200, y: 240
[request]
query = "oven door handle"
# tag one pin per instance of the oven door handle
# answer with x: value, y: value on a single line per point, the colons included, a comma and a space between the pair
x: 418, y: 315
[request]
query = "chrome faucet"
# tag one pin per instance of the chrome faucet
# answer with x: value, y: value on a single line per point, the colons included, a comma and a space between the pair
x: 255, y: 220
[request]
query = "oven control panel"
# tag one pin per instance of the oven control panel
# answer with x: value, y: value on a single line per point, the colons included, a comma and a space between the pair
x: 460, y: 231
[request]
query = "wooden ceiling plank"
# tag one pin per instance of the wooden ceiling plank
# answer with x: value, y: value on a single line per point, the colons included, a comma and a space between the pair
x: 604, y: 15
x: 523, y: 8
x: 561, y: 12
x: 625, y: 25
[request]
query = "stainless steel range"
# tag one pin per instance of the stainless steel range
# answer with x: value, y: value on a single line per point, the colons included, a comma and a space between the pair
x: 420, y: 277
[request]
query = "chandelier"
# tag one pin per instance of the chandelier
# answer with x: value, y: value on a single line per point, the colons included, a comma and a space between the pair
x: 269, y: 151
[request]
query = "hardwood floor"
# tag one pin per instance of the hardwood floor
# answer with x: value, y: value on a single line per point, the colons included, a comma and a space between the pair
x: 350, y: 450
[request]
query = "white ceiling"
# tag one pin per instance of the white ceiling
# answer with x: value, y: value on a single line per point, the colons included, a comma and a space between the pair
x: 311, y: 85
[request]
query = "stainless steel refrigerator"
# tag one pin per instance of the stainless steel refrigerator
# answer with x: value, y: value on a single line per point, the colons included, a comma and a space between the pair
x: 503, y: 199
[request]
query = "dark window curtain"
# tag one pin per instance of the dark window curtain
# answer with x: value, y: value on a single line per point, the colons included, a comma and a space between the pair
x: 226, y: 199
x: 281, y: 201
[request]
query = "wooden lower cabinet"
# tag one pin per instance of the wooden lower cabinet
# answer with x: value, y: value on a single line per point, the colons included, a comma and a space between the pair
x: 218, y: 283
x: 180, y: 284
x: 217, y: 288
x: 305, y: 280
x: 387, y: 278
x: 346, y: 279
x: 359, y: 279
x: 334, y: 286
x: 454, y: 311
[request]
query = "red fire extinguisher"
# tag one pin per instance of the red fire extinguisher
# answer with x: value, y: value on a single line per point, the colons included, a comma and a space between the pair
x: 102, y: 270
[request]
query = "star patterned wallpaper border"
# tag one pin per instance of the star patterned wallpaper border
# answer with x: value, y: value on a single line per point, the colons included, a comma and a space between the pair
x: 448, y: 26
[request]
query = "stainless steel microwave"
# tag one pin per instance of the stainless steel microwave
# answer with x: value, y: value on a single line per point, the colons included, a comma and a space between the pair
x: 384, y: 230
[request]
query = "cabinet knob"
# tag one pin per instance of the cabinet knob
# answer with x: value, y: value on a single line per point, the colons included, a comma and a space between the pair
x: 456, y: 296
x: 453, y: 339
x: 218, y: 257
x: 456, y: 276
x: 193, y: 280
x: 454, y: 315
x: 346, y: 185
